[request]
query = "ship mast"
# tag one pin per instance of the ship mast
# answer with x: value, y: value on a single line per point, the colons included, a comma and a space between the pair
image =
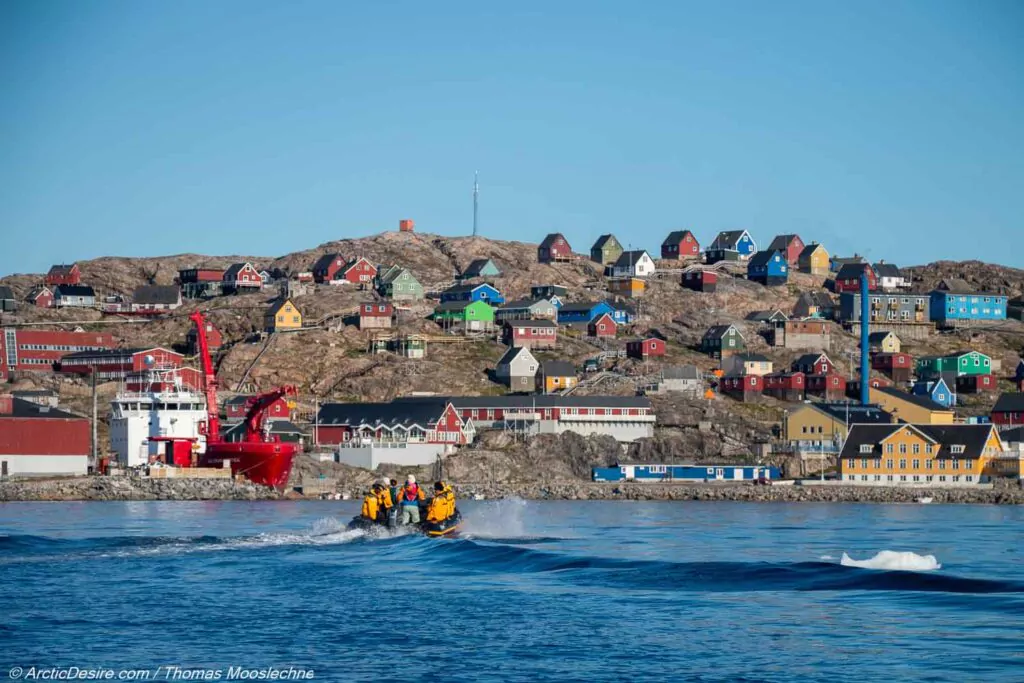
x: 209, y: 379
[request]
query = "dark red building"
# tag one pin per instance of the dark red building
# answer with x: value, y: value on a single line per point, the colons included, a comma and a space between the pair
x: 789, y: 245
x: 603, y: 327
x: 118, y: 364
x: 832, y: 387
x: 977, y: 384
x: 700, y: 280
x: 37, y: 440
x: 813, y: 364
x: 30, y: 350
x: 898, y: 366
x: 531, y: 334
x: 327, y: 267
x: 680, y: 244
x: 236, y: 407
x: 1009, y: 410
x: 195, y: 276
x: 64, y: 274
x: 746, y: 388
x: 40, y: 296
x: 645, y: 348
x: 848, y: 277
x: 214, y: 338
x: 376, y: 315
x: 786, y: 386
x: 358, y: 272
x: 554, y: 248
x: 242, y: 277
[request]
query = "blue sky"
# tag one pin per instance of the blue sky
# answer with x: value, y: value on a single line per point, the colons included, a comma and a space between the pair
x: 149, y: 128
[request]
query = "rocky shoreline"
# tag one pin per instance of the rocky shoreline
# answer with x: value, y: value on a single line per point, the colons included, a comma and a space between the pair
x: 128, y: 489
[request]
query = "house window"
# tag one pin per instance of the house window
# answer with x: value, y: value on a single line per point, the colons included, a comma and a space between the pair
x: 878, y: 463
x: 968, y: 464
x: 864, y: 463
x: 956, y: 448
x: 916, y: 464
x: 866, y: 448
x: 888, y: 463
x: 903, y: 463
x: 889, y: 448
x: 903, y: 448
x: 916, y: 449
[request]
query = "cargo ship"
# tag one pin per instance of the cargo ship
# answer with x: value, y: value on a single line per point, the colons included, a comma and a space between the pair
x: 260, y: 457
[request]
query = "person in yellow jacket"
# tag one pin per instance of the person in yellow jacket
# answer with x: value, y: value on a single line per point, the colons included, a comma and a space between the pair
x: 442, y: 505
x: 372, y: 504
x: 409, y: 497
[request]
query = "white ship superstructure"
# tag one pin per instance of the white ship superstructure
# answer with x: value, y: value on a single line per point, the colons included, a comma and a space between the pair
x: 163, y: 406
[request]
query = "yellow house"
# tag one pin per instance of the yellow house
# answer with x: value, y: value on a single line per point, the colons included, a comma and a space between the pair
x: 282, y: 315
x: 631, y: 287
x: 813, y: 259
x: 919, y: 454
x: 906, y: 407
x: 884, y: 342
x: 556, y: 375
x: 813, y: 426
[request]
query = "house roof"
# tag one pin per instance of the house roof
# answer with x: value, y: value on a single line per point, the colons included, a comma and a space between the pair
x: 325, y: 261
x: 959, y: 286
x: 21, y: 408
x: 558, y: 368
x: 468, y: 289
x: 579, y: 306
x: 452, y: 306
x: 762, y: 258
x: 1015, y: 435
x: 810, y: 249
x: 728, y: 239
x: 1009, y: 403
x: 235, y: 268
x: 972, y: 437
x: 539, y: 401
x: 602, y: 317
x: 879, y: 337
x: 817, y: 298
x: 681, y: 372
x: 37, y: 291
x: 716, y: 331
x: 603, y: 241
x: 395, y: 414
x: 477, y: 265
x: 810, y: 359
x: 277, y: 305
x: 531, y: 323
x: 157, y: 294
x: 522, y: 304
x: 6, y: 292
x: 781, y: 242
x: 920, y: 401
x: 840, y: 261
x: 883, y: 269
x: 61, y: 268
x: 851, y: 271
x: 676, y: 236
x: 752, y: 358
x: 854, y: 413
x: 549, y: 241
x: 73, y: 290
x: 629, y: 258
x: 115, y: 353
x: 512, y: 353
x: 764, y: 316
x: 554, y: 288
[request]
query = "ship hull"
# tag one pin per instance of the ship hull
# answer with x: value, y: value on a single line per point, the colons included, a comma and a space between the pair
x: 266, y: 464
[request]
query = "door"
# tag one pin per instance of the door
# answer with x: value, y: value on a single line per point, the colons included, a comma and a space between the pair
x: 737, y: 473
x: 3, y: 469
x: 719, y: 473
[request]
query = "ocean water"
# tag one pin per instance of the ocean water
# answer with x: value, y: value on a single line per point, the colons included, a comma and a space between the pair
x: 581, y: 591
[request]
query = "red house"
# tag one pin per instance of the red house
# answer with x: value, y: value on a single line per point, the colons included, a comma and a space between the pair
x: 531, y: 334
x: 195, y: 276
x: 977, y: 384
x: 432, y: 422
x: 1009, y: 410
x: 327, y: 266
x: 32, y: 350
x: 898, y: 366
x: 789, y: 245
x: 848, y: 277
x: 644, y: 348
x: 40, y: 296
x: 700, y: 280
x: 375, y: 315
x: 680, y: 244
x: 241, y: 277
x: 603, y: 327
x: 554, y: 248
x: 813, y: 364
x: 119, y: 364
x: 214, y: 339
x: 358, y: 271
x: 746, y: 388
x: 236, y: 407
x: 832, y: 387
x: 787, y: 386
x: 64, y: 274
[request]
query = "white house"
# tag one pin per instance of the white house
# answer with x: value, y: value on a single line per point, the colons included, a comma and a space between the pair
x: 633, y: 264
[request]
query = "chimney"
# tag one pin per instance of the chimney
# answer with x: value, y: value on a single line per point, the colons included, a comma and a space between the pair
x: 6, y: 404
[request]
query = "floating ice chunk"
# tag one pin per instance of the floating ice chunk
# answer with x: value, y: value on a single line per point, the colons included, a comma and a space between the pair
x: 894, y: 561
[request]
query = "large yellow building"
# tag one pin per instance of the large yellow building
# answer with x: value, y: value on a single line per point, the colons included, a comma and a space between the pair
x: 813, y: 426
x: 906, y: 407
x: 282, y: 315
x: 919, y: 454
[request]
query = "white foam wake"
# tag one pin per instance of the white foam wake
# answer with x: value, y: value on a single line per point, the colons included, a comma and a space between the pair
x: 504, y: 518
x: 894, y: 561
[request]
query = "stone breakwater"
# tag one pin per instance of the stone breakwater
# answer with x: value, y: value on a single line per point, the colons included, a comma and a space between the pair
x: 742, y: 492
x: 131, y: 488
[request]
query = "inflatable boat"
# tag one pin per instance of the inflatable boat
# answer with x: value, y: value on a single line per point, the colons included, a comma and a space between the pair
x: 448, y: 527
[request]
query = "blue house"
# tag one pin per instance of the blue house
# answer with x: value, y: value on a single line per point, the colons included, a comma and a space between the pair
x: 485, y: 292
x: 584, y: 312
x: 955, y: 300
x: 936, y: 390
x: 655, y: 473
x: 622, y: 313
x: 768, y: 267
x: 731, y: 245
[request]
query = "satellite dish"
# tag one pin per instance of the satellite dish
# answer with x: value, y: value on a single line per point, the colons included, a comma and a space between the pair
x: 149, y: 360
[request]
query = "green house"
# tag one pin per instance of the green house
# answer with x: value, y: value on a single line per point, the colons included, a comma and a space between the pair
x: 722, y: 340
x: 481, y: 267
x: 967, y: 363
x: 606, y: 250
x: 399, y: 284
x: 469, y: 315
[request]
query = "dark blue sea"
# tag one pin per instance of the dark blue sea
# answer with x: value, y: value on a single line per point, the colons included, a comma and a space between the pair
x: 559, y: 591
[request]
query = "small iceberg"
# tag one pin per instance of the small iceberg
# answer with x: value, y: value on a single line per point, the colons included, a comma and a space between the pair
x: 892, y: 560
x: 924, y: 500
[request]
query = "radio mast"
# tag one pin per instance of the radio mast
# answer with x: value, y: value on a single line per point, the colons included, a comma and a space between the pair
x: 476, y: 194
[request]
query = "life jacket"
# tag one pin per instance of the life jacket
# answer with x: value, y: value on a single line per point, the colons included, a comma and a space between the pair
x: 385, y: 498
x: 371, y: 506
x: 410, y: 495
x: 442, y: 506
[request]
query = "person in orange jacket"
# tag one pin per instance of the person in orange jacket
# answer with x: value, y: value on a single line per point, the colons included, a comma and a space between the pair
x: 442, y: 505
x: 409, y: 497
x: 372, y: 504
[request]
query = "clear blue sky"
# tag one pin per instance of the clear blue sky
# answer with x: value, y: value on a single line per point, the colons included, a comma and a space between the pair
x: 149, y: 128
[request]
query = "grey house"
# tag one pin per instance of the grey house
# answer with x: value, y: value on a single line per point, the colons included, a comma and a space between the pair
x: 7, y: 302
x: 683, y: 379
x: 517, y: 369
x: 526, y: 309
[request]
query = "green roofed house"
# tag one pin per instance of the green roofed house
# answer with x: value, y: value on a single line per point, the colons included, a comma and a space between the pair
x: 471, y: 316
x: 966, y: 363
x: 606, y: 250
x: 399, y: 283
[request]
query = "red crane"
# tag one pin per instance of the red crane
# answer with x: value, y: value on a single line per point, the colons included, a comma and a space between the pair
x: 256, y: 413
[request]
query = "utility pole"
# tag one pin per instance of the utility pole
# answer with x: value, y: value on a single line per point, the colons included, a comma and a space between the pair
x: 476, y: 199
x: 95, y: 443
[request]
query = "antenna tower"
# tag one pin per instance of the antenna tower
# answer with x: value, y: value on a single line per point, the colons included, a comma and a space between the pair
x: 476, y: 195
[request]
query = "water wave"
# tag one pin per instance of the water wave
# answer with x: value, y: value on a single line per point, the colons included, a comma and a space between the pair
x: 894, y: 561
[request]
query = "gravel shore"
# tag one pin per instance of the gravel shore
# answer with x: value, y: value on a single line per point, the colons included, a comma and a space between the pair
x: 129, y: 488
